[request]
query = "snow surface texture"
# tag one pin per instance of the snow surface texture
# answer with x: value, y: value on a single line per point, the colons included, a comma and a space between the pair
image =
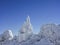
x: 48, y: 35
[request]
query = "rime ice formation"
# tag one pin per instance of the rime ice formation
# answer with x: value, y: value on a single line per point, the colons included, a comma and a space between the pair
x: 25, y: 31
x: 51, y: 32
x: 7, y: 35
x: 49, y: 35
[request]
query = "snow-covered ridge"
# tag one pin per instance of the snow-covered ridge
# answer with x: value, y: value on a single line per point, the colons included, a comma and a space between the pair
x: 49, y: 35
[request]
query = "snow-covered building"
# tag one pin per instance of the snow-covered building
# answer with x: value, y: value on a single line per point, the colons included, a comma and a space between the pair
x: 26, y: 30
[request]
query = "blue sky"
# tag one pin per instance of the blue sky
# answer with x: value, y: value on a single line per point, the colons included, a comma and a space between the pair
x: 13, y: 13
